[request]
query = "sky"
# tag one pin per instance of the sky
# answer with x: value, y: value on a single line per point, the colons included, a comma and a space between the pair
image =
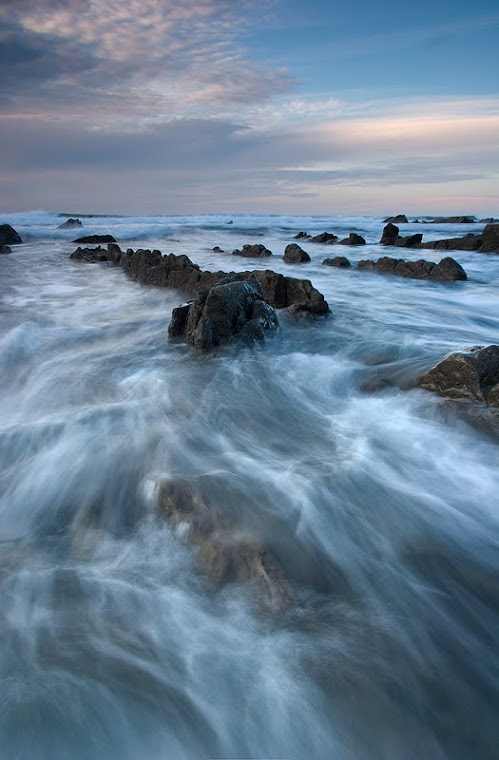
x: 261, y: 106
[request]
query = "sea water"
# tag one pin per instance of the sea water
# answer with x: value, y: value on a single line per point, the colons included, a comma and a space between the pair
x: 381, y: 508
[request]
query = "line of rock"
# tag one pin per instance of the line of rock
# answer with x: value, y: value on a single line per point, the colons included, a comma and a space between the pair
x: 486, y: 241
x: 447, y: 270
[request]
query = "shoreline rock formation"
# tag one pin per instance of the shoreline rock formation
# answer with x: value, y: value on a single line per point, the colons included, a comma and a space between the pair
x: 471, y: 375
x: 447, y: 270
x: 486, y: 241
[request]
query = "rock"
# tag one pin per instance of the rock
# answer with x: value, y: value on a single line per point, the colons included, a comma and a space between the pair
x: 399, y: 219
x: 301, y: 235
x: 486, y: 241
x: 256, y: 250
x: 454, y: 220
x: 447, y: 270
x: 226, y: 554
x: 472, y: 375
x: 390, y: 234
x: 217, y: 249
x: 324, y: 237
x: 5, y: 249
x: 8, y: 235
x: 490, y: 239
x: 294, y: 254
x: 90, y: 254
x: 301, y: 296
x: 337, y: 261
x: 95, y: 239
x: 353, y: 239
x: 69, y: 223
x: 228, y: 310
x: 489, y: 220
x: 230, y: 222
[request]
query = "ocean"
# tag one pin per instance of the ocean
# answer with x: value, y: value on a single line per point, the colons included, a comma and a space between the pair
x: 379, y: 501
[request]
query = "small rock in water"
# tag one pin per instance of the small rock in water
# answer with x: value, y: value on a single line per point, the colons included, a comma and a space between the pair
x: 353, y: 239
x: 95, y: 239
x: 257, y: 250
x: 472, y: 375
x: 69, y: 223
x: 294, y: 254
x: 337, y: 261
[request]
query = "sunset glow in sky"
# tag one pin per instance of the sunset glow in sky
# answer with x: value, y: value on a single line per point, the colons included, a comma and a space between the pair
x: 193, y: 106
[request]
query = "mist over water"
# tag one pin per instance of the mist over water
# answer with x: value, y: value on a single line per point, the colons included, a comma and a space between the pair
x: 381, y: 508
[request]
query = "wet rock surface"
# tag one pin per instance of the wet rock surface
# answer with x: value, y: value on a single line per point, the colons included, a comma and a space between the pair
x: 472, y: 375
x: 69, y: 224
x: 391, y: 236
x: 353, y: 239
x: 226, y: 554
x: 398, y: 219
x: 486, y: 241
x: 325, y: 237
x: 5, y: 249
x: 8, y: 235
x: 95, y: 239
x: 294, y: 254
x: 256, y: 250
x: 447, y: 270
x: 337, y: 261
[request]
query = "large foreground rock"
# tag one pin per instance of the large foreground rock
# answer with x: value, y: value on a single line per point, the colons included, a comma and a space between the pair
x: 8, y: 235
x: 294, y: 254
x: 447, y: 270
x: 224, y: 553
x: 70, y: 224
x: 215, y: 317
x: 256, y: 250
x: 152, y: 268
x: 472, y: 375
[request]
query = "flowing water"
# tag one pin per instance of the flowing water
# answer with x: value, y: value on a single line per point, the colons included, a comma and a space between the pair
x: 381, y: 507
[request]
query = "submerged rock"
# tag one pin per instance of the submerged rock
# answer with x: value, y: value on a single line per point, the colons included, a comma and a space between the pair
x: 226, y: 554
x: 294, y: 254
x: 5, y: 249
x: 233, y: 309
x: 302, y: 236
x: 447, y: 270
x: 8, y: 235
x: 257, y: 250
x: 324, y: 237
x: 69, y: 223
x: 337, y: 261
x: 95, y: 239
x: 472, y: 375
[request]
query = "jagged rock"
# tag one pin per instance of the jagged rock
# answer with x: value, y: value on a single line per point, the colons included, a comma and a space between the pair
x: 230, y: 309
x: 225, y: 553
x: 454, y: 220
x: 353, y: 239
x: 399, y: 219
x: 472, y: 375
x: 486, y: 241
x: 302, y: 235
x: 151, y: 268
x: 217, y: 249
x: 447, y: 270
x: 257, y: 250
x: 294, y: 254
x: 8, y: 235
x: 324, y: 237
x: 95, y: 239
x: 337, y: 261
x: 5, y: 249
x: 391, y: 236
x: 69, y: 223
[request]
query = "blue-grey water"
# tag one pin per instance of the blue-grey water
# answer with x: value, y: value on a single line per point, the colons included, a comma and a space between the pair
x: 381, y: 507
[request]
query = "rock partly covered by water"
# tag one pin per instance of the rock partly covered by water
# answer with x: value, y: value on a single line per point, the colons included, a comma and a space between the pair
x: 294, y: 254
x: 325, y: 237
x: 337, y: 261
x: 5, y: 249
x: 447, y: 270
x: 453, y: 220
x: 95, y: 239
x: 391, y: 236
x: 486, y: 241
x: 8, y: 235
x: 472, y: 375
x: 256, y: 250
x: 235, y: 308
x: 398, y: 219
x: 225, y: 553
x: 353, y: 239
x: 152, y: 268
x: 69, y: 224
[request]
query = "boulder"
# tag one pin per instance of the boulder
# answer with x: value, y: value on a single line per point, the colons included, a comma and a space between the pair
x: 447, y: 270
x: 217, y: 249
x: 225, y: 553
x: 8, y: 235
x: 472, y: 375
x: 399, y: 219
x: 337, y: 261
x: 353, y: 239
x: 70, y: 223
x: 228, y: 310
x: 294, y: 254
x: 389, y: 235
x: 490, y: 239
x: 5, y: 249
x: 257, y: 250
x: 302, y: 235
x: 324, y: 237
x: 94, y: 239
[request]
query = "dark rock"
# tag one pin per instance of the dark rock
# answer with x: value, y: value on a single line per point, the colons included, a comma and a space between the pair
x: 324, y: 237
x: 228, y: 310
x: 224, y: 553
x: 490, y: 239
x: 489, y: 220
x: 230, y: 222
x: 410, y: 241
x: 90, y: 254
x: 447, y: 270
x: 390, y: 234
x: 257, y: 250
x: 486, y: 241
x: 353, y: 239
x: 8, y: 235
x: 337, y: 261
x: 95, y: 239
x: 69, y: 223
x: 472, y: 375
x: 5, y: 249
x: 301, y: 235
x: 217, y: 249
x: 294, y: 254
x: 301, y: 296
x: 399, y: 219
x: 454, y: 220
